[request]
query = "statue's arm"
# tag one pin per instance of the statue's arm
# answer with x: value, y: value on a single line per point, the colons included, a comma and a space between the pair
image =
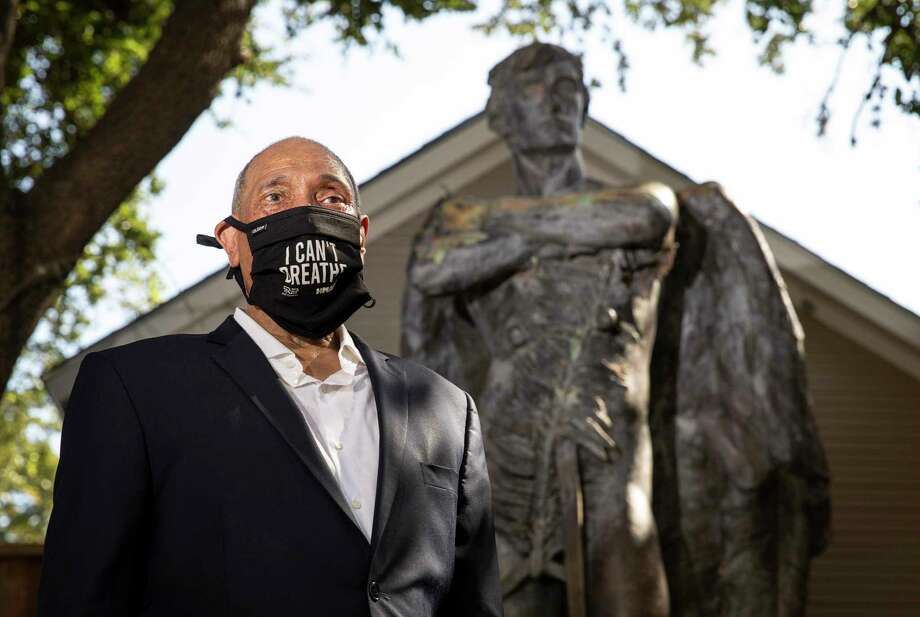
x: 641, y: 217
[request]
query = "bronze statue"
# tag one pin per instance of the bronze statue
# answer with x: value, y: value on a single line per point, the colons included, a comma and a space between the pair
x: 639, y: 374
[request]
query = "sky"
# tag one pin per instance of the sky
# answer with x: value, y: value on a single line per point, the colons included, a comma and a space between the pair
x: 731, y: 120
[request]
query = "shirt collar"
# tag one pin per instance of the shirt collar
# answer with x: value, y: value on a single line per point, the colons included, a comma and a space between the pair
x: 285, y: 362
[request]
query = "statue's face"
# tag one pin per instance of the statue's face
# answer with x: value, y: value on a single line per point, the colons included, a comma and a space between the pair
x: 545, y: 108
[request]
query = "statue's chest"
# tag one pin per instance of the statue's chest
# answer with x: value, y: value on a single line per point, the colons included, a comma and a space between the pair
x: 561, y: 313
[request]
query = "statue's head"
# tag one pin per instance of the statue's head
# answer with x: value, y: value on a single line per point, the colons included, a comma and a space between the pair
x: 539, y: 100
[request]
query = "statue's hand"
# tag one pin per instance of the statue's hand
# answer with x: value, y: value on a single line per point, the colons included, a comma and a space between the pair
x: 594, y: 432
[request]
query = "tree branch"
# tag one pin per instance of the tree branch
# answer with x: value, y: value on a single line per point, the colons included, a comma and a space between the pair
x: 876, y: 82
x: 200, y: 44
x: 41, y: 231
x: 42, y: 274
x: 824, y: 112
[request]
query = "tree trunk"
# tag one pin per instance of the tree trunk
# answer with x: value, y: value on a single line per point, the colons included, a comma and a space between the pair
x: 8, y: 10
x: 43, y: 232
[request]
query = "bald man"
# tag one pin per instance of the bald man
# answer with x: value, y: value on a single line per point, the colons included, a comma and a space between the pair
x: 277, y: 465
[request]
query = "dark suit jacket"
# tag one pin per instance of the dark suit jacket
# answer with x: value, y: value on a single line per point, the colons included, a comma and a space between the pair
x: 189, y: 485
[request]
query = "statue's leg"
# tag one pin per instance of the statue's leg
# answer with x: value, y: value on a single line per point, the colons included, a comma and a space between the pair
x: 571, y: 496
x: 522, y: 594
x: 536, y: 597
x: 625, y: 574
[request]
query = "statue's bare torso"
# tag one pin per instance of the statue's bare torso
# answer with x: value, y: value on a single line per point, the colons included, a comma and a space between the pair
x: 567, y: 327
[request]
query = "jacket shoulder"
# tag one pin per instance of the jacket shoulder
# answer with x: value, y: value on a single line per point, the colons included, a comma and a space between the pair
x: 165, y: 347
x: 419, y: 375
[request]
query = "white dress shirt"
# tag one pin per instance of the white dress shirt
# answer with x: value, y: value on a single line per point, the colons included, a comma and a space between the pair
x: 340, y: 411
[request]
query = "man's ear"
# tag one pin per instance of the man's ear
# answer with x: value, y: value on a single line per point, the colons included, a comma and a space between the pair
x: 364, y: 225
x: 229, y: 238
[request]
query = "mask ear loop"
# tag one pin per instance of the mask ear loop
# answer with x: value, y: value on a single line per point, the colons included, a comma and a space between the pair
x: 233, y: 272
x: 212, y: 242
x: 237, y: 224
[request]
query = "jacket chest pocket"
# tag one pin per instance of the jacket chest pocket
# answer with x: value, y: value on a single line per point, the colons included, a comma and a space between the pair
x: 441, y: 477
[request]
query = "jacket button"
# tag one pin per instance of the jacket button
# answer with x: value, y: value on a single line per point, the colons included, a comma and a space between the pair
x: 373, y: 590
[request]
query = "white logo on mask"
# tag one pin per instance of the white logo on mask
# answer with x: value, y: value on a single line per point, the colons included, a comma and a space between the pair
x: 311, y: 264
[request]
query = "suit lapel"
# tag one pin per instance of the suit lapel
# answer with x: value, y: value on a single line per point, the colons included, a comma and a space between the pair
x: 242, y: 359
x: 388, y: 381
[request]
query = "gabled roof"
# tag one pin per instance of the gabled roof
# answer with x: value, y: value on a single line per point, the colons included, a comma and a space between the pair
x: 470, y: 150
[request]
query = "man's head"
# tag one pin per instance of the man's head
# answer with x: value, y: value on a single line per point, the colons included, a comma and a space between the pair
x: 292, y: 172
x: 538, y: 100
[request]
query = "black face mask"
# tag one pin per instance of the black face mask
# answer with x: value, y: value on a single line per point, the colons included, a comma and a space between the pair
x: 307, y: 272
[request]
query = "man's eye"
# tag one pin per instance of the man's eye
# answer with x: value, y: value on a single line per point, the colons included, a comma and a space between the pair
x: 273, y: 197
x: 332, y: 199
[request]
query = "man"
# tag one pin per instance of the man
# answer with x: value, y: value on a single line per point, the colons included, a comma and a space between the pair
x: 277, y: 465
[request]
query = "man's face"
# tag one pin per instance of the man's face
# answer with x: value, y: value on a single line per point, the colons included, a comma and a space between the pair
x: 290, y: 173
x: 546, y: 108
